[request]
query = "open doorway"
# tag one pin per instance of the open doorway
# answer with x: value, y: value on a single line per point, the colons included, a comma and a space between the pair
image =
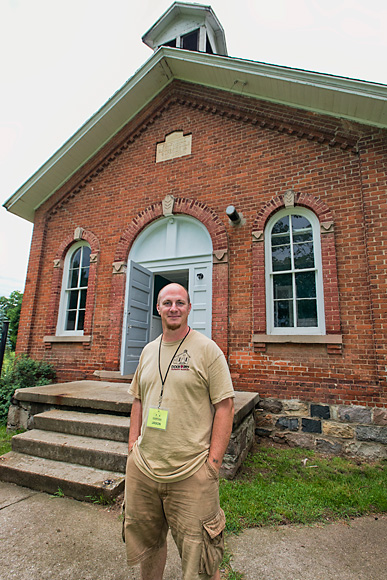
x: 160, y: 280
x: 172, y: 249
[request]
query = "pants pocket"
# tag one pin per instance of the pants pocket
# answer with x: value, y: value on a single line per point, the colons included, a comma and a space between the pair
x: 213, y: 544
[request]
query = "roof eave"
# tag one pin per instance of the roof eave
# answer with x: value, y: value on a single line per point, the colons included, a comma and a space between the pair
x: 358, y: 101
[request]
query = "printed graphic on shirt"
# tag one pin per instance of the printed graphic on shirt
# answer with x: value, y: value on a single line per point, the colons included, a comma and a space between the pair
x: 181, y: 362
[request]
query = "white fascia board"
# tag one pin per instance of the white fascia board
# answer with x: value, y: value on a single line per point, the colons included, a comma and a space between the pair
x: 285, y: 74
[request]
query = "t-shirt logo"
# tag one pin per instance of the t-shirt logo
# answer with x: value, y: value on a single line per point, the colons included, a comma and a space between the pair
x: 181, y: 362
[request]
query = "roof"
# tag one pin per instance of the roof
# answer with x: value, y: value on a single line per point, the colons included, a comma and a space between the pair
x: 358, y: 101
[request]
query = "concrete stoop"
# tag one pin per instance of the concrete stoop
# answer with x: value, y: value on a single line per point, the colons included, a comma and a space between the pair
x: 81, y: 454
x: 77, y: 437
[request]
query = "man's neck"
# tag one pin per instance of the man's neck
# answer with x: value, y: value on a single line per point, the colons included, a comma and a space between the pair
x: 170, y: 335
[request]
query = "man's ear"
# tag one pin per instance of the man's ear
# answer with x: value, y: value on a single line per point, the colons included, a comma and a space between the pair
x: 157, y: 307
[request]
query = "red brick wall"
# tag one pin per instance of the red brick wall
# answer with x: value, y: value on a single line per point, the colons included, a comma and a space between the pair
x: 245, y: 153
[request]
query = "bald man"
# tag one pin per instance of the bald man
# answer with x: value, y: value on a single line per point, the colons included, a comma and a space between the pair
x: 180, y: 426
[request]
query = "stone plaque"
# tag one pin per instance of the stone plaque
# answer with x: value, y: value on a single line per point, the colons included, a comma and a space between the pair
x: 175, y: 145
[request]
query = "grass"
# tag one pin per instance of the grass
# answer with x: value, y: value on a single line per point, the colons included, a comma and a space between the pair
x: 226, y: 570
x: 276, y: 486
x: 5, y: 439
x: 101, y: 499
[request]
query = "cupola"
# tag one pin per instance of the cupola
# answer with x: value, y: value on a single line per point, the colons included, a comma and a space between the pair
x: 189, y: 27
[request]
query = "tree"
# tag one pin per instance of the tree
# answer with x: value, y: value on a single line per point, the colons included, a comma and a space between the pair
x: 11, y: 307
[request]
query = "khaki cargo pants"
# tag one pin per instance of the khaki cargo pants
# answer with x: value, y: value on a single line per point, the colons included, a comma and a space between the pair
x: 190, y: 508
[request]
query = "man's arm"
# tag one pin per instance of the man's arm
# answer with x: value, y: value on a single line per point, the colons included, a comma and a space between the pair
x: 135, y: 423
x: 221, y: 431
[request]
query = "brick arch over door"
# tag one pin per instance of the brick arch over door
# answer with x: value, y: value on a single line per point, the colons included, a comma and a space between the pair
x: 328, y: 255
x: 78, y: 235
x: 219, y: 239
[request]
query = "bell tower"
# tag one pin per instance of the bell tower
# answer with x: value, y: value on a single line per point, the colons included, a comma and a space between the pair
x: 188, y: 27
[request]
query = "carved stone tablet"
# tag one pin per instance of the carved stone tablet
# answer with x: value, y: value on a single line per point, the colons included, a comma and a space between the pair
x: 175, y: 145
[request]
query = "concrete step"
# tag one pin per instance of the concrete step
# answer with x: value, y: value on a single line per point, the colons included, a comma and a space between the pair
x: 97, y: 425
x: 89, y: 451
x: 78, y: 481
x: 79, y: 395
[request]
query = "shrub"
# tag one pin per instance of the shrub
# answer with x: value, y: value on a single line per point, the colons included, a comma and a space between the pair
x: 25, y: 372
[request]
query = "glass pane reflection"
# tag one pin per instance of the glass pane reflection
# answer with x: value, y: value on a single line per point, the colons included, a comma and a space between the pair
x: 281, y: 259
x: 307, y: 313
x: 283, y: 313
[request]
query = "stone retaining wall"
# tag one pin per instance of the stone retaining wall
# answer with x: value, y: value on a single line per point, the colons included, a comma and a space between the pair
x: 338, y: 429
x: 242, y: 438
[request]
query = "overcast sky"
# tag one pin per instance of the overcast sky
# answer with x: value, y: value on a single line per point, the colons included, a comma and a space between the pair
x: 61, y: 60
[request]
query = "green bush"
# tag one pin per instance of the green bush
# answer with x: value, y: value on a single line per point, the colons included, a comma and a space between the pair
x: 25, y: 372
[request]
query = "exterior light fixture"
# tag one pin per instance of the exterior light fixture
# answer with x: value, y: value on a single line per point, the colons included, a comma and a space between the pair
x: 233, y: 215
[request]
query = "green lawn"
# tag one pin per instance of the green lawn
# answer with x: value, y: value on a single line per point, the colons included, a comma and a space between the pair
x: 276, y: 486
x: 5, y: 439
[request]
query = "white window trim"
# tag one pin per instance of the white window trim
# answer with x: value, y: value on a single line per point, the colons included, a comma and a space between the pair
x: 314, y: 330
x: 60, y: 329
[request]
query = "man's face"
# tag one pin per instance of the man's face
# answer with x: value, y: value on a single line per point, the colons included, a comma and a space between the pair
x: 173, y: 307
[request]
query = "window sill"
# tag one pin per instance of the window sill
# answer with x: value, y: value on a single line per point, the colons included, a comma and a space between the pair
x: 299, y: 338
x: 52, y: 339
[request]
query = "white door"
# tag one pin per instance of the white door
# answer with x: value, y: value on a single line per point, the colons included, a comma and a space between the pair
x: 137, y: 315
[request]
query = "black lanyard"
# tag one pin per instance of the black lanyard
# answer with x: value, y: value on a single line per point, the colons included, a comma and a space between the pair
x: 169, y: 366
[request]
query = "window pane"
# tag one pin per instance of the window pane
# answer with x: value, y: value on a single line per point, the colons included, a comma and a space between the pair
x: 73, y: 300
x: 81, y: 320
x: 299, y: 222
x: 306, y: 285
x: 84, y: 277
x: 283, y: 313
x: 307, y: 313
x: 281, y: 258
x: 76, y: 259
x: 83, y: 299
x: 86, y: 257
x: 303, y: 256
x: 305, y: 236
x: 282, y: 226
x: 282, y: 285
x: 70, y: 325
x: 280, y: 240
x: 73, y: 278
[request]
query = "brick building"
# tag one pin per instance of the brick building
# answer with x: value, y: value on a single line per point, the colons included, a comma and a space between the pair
x: 291, y: 285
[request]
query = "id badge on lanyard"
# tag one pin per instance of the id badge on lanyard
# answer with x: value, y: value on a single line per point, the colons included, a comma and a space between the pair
x: 157, y: 418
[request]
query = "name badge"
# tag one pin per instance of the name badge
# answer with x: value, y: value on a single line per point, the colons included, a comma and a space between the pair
x: 157, y: 418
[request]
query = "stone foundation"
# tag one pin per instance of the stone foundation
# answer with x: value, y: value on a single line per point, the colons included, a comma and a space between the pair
x: 240, y: 444
x: 338, y: 429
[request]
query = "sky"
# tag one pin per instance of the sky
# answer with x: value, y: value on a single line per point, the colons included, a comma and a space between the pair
x: 61, y: 60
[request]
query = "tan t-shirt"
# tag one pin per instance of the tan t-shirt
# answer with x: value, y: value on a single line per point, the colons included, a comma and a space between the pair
x: 197, y: 379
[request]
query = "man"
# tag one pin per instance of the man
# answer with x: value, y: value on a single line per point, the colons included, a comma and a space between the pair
x: 180, y: 426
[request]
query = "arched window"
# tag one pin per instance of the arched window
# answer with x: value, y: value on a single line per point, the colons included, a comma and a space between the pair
x: 294, y: 289
x: 72, y: 308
